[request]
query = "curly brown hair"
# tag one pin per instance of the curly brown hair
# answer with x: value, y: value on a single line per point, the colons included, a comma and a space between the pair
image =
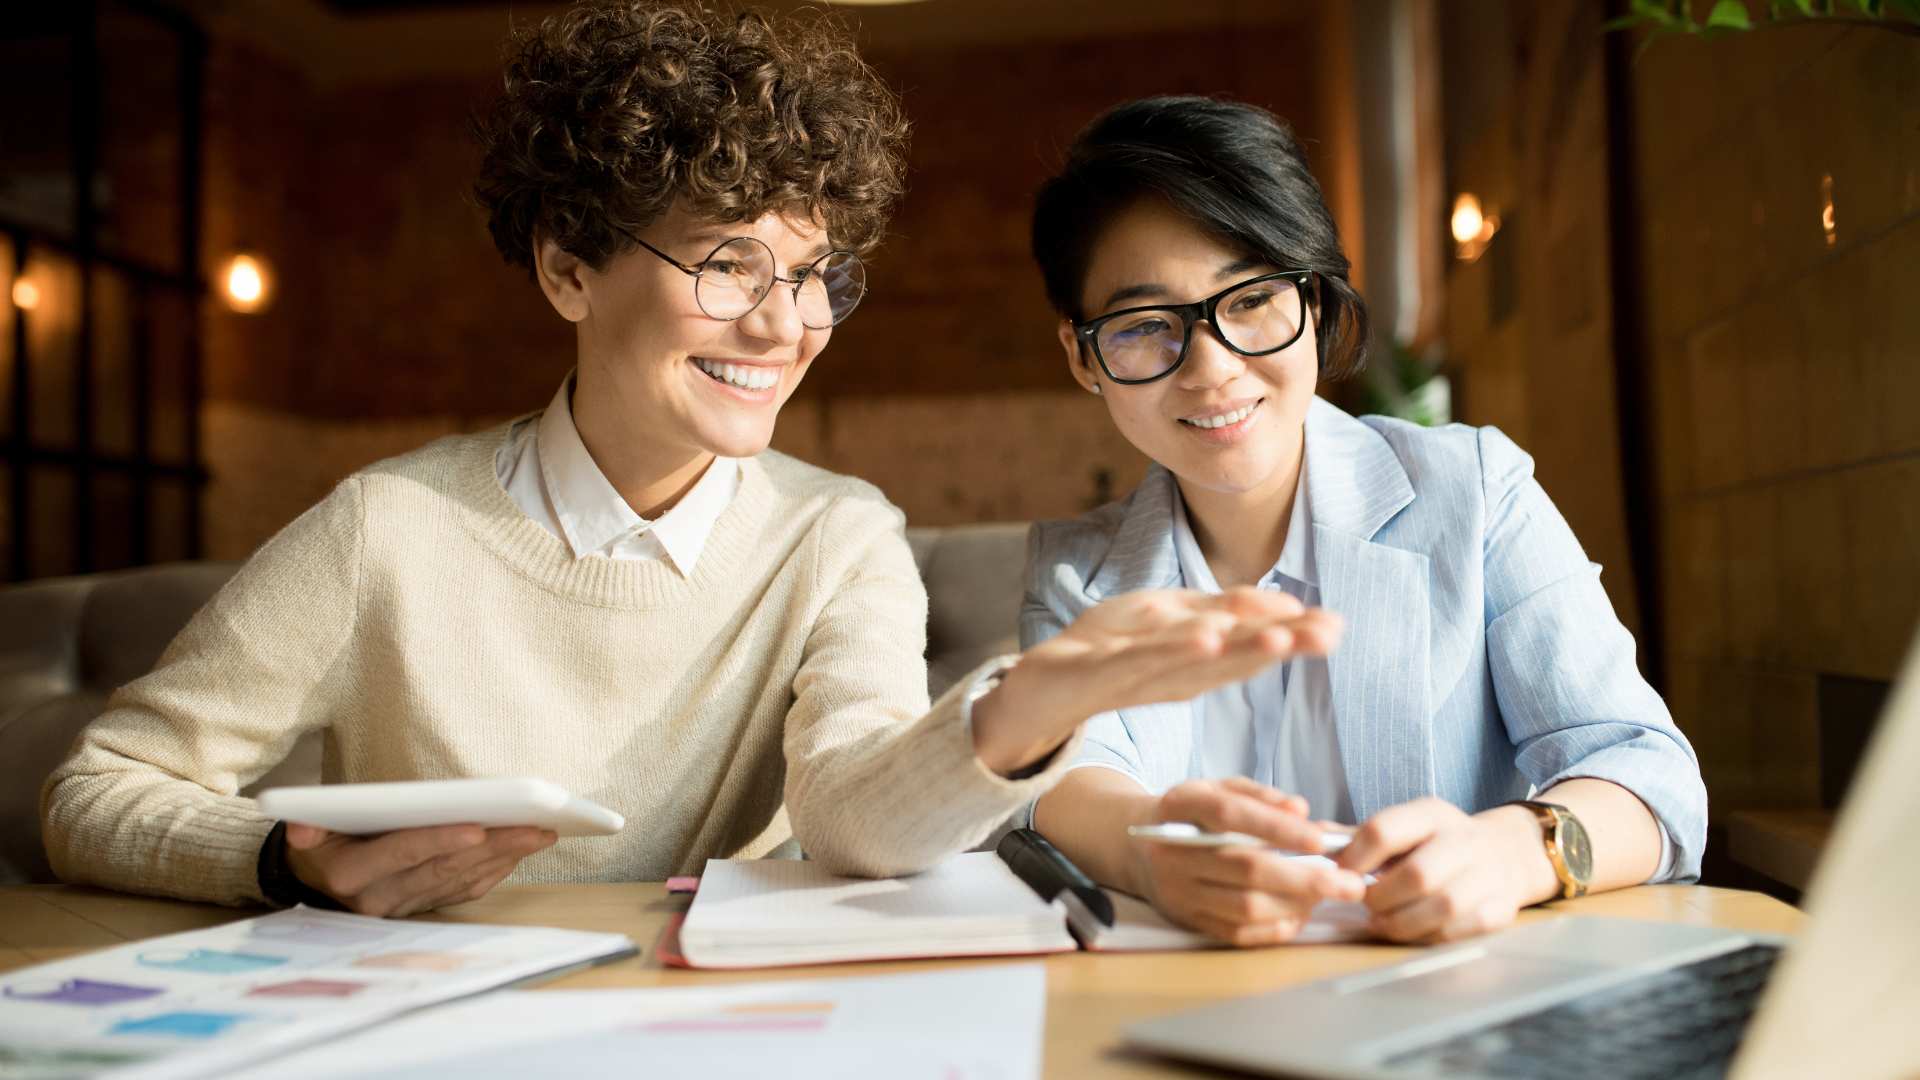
x: 616, y: 110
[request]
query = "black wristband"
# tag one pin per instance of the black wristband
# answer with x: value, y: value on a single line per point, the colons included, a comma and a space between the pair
x: 279, y: 884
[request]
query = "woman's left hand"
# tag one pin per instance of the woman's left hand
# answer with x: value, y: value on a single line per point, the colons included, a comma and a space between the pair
x: 1445, y: 875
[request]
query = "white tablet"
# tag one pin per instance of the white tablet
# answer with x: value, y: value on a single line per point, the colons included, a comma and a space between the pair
x: 364, y: 809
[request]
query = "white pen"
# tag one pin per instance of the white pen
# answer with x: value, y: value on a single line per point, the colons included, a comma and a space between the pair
x: 1185, y: 835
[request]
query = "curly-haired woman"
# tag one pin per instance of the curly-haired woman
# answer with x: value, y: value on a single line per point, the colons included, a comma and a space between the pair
x: 628, y: 594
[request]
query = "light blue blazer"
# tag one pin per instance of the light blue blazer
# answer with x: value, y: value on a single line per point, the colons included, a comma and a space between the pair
x: 1481, y: 654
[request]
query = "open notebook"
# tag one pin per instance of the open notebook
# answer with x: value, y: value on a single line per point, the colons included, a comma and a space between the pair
x: 1025, y: 899
x: 778, y: 912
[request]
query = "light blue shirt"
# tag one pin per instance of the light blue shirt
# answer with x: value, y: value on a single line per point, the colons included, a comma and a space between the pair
x: 1482, y: 660
x: 1276, y: 727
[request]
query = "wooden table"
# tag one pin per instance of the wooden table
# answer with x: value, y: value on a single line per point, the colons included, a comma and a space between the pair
x: 1090, y: 996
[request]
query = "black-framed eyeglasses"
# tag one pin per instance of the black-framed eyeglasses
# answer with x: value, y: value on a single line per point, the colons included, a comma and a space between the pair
x: 1254, y: 318
x: 738, y: 274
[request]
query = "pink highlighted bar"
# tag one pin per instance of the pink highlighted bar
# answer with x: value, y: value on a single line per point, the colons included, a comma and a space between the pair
x: 683, y: 884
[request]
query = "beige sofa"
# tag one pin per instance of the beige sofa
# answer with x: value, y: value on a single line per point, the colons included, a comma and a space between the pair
x: 68, y: 643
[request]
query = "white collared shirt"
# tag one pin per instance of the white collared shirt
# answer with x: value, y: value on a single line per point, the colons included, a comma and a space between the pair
x: 551, y: 477
x: 1277, y: 727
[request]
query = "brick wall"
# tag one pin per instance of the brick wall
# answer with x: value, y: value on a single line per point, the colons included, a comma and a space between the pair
x: 398, y: 322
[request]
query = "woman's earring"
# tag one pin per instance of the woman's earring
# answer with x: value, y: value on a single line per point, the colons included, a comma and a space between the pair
x: 1095, y: 388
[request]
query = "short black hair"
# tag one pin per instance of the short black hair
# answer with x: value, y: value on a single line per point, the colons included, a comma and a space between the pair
x: 1235, y: 169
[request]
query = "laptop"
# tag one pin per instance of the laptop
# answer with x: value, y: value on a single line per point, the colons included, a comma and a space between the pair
x: 1621, y: 999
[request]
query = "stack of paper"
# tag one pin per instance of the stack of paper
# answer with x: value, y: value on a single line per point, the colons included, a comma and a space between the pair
x: 772, y: 912
x: 975, y: 1023
x: 201, y: 1002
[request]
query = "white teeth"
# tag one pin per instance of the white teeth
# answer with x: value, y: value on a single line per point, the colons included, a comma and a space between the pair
x: 1223, y: 419
x: 744, y: 376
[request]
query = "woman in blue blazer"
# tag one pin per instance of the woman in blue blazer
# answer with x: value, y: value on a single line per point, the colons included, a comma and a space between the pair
x: 1481, y: 730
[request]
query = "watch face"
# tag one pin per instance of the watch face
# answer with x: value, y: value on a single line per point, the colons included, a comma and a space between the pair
x: 1574, y: 849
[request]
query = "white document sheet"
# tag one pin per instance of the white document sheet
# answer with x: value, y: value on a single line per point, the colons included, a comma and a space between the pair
x: 770, y: 912
x: 1137, y: 927
x: 197, y: 1003
x: 979, y: 1023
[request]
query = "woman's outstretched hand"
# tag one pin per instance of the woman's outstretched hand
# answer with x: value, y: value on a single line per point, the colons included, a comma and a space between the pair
x: 1138, y: 649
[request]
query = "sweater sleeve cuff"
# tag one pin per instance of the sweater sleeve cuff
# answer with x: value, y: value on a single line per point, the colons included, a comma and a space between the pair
x: 984, y: 679
x: 935, y: 794
x: 977, y: 685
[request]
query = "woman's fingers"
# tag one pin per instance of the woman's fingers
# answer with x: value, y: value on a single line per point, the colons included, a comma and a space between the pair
x: 1394, y: 832
x: 302, y: 837
x: 348, y: 867
x: 1425, y: 871
x: 416, y: 869
x: 1239, y: 917
x: 1469, y: 905
x: 1255, y: 869
x: 1273, y: 796
x: 1240, y: 895
x: 1217, y: 808
x: 1184, y: 660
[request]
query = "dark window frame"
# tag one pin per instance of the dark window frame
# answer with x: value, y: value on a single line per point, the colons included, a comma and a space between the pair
x: 84, y: 463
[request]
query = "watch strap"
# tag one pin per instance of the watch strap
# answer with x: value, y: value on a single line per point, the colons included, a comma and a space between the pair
x: 1549, y: 815
x: 279, y: 884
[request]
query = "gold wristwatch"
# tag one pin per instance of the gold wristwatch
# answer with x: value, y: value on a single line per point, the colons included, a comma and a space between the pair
x: 1567, y: 846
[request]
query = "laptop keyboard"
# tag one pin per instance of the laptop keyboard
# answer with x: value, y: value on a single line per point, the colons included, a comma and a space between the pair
x: 1681, y: 1024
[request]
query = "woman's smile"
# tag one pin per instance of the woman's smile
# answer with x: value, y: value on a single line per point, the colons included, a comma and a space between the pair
x: 1224, y: 423
x: 753, y: 382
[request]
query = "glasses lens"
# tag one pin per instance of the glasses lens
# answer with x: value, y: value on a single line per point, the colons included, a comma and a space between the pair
x: 830, y: 289
x: 1142, y: 344
x: 1261, y: 316
x: 734, y: 278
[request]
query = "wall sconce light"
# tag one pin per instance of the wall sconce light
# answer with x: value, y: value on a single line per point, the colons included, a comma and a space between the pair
x: 1826, y: 208
x: 246, y: 282
x: 26, y: 295
x: 1472, y: 228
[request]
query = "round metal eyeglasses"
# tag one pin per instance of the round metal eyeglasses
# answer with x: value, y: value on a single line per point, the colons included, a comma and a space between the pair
x: 1254, y: 318
x: 737, y: 275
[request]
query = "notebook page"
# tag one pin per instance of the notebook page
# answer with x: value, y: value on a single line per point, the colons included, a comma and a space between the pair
x: 773, y: 894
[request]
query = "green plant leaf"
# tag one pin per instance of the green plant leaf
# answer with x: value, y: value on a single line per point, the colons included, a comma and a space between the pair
x: 1909, y: 8
x: 1729, y: 15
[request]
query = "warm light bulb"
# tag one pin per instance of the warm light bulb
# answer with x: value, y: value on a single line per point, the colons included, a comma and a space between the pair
x: 247, y: 283
x: 243, y: 281
x: 26, y: 295
x: 1826, y: 208
x: 1467, y: 218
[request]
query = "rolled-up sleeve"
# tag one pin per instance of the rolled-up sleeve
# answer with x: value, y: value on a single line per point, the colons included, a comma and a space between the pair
x: 1573, y: 700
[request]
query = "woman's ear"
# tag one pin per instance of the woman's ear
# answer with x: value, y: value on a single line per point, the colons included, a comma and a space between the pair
x: 1079, y: 365
x: 562, y: 277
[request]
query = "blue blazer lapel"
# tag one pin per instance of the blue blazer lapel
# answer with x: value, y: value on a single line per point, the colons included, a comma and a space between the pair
x: 1142, y: 554
x: 1382, y: 699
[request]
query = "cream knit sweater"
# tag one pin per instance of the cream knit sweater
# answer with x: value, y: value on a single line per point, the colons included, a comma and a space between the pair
x: 433, y: 630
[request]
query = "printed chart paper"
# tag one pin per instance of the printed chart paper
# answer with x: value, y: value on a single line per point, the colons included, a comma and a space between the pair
x: 981, y: 1023
x: 196, y: 1003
